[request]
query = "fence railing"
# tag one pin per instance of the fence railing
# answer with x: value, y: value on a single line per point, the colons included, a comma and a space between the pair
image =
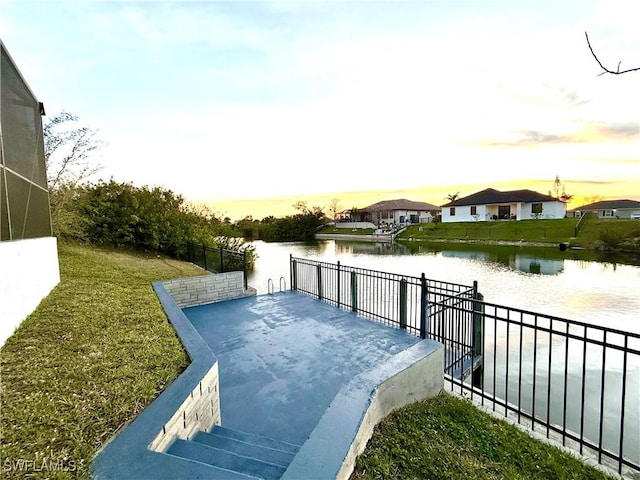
x: 400, y: 301
x: 217, y: 259
x: 577, y: 383
x: 583, y: 220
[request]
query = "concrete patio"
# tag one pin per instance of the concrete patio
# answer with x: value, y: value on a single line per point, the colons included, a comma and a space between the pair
x: 291, y: 387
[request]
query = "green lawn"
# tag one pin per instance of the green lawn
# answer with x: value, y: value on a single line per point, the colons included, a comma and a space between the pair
x: 546, y: 231
x: 594, y: 234
x: 95, y: 352
x: 448, y: 438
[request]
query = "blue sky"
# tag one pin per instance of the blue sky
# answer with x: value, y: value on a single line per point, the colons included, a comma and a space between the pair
x: 231, y: 101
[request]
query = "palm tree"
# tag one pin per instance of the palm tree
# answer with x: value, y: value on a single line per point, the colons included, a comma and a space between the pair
x: 452, y: 197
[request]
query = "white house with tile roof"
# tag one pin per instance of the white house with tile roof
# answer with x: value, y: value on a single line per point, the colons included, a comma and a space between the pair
x: 610, y: 209
x: 490, y: 204
x: 397, y: 212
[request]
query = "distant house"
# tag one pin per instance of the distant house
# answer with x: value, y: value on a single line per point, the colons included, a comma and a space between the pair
x: 491, y: 204
x: 609, y: 209
x: 28, y: 251
x: 396, y: 212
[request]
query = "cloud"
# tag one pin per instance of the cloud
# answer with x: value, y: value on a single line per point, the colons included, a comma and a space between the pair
x: 571, y: 98
x: 588, y: 133
x: 615, y: 161
x: 619, y: 130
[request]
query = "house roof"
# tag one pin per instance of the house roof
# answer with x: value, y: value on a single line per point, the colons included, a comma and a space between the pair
x: 491, y: 196
x: 400, y: 204
x: 610, y: 205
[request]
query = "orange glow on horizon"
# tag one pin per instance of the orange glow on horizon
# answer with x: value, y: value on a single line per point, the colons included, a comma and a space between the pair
x: 583, y: 192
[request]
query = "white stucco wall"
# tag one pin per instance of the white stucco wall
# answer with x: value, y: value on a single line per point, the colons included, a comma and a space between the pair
x: 463, y: 214
x: 28, y: 272
x: 553, y: 210
x: 522, y: 211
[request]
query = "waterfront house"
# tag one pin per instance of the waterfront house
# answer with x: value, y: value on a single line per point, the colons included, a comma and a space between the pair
x: 610, y: 209
x: 490, y: 204
x: 397, y: 212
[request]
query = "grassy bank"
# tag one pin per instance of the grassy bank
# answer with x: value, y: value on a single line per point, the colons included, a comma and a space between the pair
x: 95, y: 352
x: 448, y: 438
x: 540, y: 231
x: 594, y: 234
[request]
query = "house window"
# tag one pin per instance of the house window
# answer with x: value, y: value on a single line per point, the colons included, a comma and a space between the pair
x: 536, y: 208
x: 452, y: 211
x: 474, y: 210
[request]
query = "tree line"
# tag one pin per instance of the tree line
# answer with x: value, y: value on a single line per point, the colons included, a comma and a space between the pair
x: 115, y: 214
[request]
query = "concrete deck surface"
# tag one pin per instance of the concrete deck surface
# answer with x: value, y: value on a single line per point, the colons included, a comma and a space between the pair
x: 284, y: 357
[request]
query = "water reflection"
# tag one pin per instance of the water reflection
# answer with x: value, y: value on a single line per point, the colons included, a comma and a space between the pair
x: 528, y: 261
x: 562, y: 380
x: 571, y: 284
x: 371, y: 248
x: 516, y: 261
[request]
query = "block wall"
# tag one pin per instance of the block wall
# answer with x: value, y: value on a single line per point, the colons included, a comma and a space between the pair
x: 192, y: 291
x: 200, y: 411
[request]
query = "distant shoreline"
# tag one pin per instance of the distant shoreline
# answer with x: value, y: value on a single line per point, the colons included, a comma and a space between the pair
x: 386, y: 237
x: 389, y: 238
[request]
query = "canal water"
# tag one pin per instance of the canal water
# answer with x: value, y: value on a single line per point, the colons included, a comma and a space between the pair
x: 576, y: 285
x: 572, y: 284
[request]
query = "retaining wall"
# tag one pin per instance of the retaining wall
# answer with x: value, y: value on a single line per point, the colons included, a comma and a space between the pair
x: 199, y: 411
x: 192, y: 291
x: 345, y: 428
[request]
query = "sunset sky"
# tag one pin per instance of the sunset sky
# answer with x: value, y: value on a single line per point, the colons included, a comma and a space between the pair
x: 252, y: 106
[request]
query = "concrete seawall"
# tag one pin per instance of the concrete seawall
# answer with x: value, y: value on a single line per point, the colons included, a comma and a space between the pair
x: 388, y: 238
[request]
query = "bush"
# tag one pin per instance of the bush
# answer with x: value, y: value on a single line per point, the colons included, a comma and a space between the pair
x: 615, y: 237
x: 150, y: 219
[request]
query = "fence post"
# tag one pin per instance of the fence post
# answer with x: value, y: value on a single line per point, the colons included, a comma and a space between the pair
x: 354, y: 292
x: 424, y: 307
x: 478, y: 334
x: 294, y: 273
x: 221, y: 261
x: 338, y: 282
x: 204, y: 256
x: 244, y: 268
x: 403, y: 303
x: 319, y: 272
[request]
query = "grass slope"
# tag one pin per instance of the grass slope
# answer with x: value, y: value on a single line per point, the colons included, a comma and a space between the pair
x: 448, y: 438
x: 594, y: 234
x: 551, y: 231
x: 93, y: 354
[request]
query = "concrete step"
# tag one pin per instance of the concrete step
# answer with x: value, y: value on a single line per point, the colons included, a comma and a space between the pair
x: 246, y: 448
x: 225, y: 460
x: 254, y: 439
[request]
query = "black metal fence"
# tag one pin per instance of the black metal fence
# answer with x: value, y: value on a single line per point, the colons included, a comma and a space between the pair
x: 400, y: 301
x: 218, y: 259
x: 576, y: 383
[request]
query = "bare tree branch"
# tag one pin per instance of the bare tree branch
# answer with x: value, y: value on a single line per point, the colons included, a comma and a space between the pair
x: 69, y: 151
x: 606, y: 70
